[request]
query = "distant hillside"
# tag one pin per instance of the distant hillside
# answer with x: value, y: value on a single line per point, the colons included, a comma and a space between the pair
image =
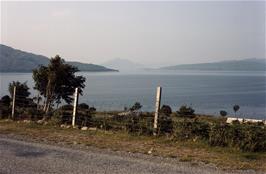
x: 123, y: 65
x: 13, y: 60
x: 253, y: 64
x: 90, y: 67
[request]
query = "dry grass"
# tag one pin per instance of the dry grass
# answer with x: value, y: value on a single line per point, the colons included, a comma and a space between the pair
x: 194, y: 151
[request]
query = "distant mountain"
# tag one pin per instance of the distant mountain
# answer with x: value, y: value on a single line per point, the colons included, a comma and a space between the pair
x: 13, y: 60
x: 123, y: 65
x: 253, y: 64
x: 90, y: 67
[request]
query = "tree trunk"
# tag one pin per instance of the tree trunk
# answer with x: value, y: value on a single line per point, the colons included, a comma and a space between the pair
x: 44, y: 104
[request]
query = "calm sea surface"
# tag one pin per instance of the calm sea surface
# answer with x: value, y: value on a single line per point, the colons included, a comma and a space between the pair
x: 206, y: 92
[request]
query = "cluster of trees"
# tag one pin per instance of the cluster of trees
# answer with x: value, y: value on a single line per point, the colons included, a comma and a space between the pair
x: 55, y: 83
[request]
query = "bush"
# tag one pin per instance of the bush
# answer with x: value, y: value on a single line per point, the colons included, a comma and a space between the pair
x: 64, y: 115
x: 165, y: 109
x: 33, y: 114
x: 246, y: 137
x: 5, y: 109
x: 219, y: 135
x: 5, y: 100
x: 139, y: 124
x: 66, y: 107
x: 165, y: 123
x: 190, y: 129
x: 186, y: 111
x: 92, y: 109
x: 223, y: 113
x: 83, y: 106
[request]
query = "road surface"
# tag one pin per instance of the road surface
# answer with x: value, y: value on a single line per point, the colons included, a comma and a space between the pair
x: 31, y: 158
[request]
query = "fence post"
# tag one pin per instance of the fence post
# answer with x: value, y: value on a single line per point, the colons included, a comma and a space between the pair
x: 157, y: 108
x: 13, y: 102
x: 75, y: 107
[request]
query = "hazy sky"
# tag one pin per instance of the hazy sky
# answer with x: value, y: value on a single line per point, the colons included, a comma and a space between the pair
x: 151, y: 33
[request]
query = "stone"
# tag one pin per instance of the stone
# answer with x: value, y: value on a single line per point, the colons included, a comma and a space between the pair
x: 150, y: 151
x: 93, y: 128
x: 84, y: 128
x: 40, y: 121
x: 26, y: 121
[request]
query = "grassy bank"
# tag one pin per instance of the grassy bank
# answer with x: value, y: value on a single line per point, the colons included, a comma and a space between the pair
x: 195, y: 151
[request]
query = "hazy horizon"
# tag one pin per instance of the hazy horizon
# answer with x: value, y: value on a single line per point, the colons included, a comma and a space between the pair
x: 149, y: 33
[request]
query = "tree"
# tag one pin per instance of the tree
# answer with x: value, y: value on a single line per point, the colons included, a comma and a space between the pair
x: 57, y: 82
x: 137, y: 106
x: 22, y: 92
x: 37, y: 99
x: 223, y: 113
x: 236, y: 108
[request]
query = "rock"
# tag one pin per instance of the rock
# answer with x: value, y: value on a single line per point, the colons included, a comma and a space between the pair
x: 84, y: 128
x: 68, y: 126
x: 150, y: 151
x: 62, y: 125
x: 40, y: 121
x: 26, y: 121
x: 93, y: 128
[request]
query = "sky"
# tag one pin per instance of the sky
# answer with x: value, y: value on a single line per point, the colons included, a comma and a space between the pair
x: 150, y: 33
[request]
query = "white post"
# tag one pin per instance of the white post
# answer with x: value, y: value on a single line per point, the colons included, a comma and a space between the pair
x: 157, y: 108
x: 13, y: 102
x: 75, y: 107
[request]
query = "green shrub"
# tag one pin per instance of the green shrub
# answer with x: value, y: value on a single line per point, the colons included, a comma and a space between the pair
x: 186, y: 111
x: 92, y: 109
x: 33, y: 114
x: 64, y: 115
x: 190, y: 129
x: 5, y: 111
x: 219, y: 135
x: 140, y: 125
x: 5, y: 101
x: 66, y: 107
x: 165, y: 123
x: 246, y: 137
x: 83, y: 106
x: 223, y: 113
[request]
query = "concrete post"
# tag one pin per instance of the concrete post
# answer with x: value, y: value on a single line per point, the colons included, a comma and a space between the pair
x: 13, y: 102
x: 75, y: 107
x: 157, y: 109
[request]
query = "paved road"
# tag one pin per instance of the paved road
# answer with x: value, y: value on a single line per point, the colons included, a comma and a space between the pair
x: 24, y: 157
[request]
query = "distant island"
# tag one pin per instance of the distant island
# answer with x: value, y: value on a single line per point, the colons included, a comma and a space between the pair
x: 252, y: 64
x: 13, y: 60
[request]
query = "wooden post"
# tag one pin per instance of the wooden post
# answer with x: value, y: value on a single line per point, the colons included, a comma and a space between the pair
x: 75, y: 107
x: 13, y: 102
x: 157, y: 108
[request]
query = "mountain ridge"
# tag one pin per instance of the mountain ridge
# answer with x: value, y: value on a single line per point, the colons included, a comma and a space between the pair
x: 250, y: 64
x: 15, y: 60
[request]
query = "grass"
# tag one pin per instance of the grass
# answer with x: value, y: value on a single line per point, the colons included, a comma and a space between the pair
x: 187, y: 151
